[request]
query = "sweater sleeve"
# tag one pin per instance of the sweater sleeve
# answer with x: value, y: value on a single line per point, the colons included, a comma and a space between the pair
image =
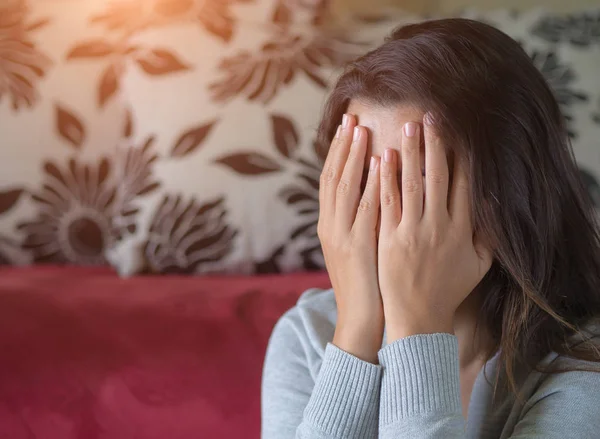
x: 420, y: 388
x: 342, y: 403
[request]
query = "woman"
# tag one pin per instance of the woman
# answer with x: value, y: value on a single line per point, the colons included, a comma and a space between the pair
x: 471, y: 242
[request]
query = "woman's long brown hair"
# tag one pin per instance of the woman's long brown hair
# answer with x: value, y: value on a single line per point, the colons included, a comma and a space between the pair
x: 494, y: 107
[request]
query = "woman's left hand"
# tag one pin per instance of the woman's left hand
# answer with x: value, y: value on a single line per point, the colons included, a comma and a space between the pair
x: 428, y: 259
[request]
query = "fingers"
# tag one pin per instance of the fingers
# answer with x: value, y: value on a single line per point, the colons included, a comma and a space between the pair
x: 391, y: 207
x: 368, y: 208
x: 436, y: 171
x: 348, y: 189
x: 333, y: 168
x: 460, y: 209
x: 412, y: 179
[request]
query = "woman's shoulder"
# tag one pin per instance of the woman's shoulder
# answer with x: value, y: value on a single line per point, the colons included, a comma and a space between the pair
x: 314, y: 315
x: 307, y: 327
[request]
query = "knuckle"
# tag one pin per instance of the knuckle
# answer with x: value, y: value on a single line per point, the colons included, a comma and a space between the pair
x: 328, y: 176
x: 411, y: 148
x: 388, y: 199
x: 343, y: 187
x: 411, y: 184
x: 436, y: 177
x: 365, y: 205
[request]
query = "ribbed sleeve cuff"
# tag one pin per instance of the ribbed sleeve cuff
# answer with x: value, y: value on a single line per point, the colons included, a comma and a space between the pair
x: 420, y: 375
x: 345, y: 399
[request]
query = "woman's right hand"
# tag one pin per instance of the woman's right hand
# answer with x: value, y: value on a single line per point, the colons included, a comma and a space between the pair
x: 347, y: 230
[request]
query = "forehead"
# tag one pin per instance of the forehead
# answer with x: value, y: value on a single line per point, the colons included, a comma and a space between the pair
x: 384, y: 123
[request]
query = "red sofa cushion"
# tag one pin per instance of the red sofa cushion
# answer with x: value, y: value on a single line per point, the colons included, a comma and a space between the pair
x: 85, y: 354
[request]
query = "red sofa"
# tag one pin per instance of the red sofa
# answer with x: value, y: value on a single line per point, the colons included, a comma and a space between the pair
x: 86, y: 355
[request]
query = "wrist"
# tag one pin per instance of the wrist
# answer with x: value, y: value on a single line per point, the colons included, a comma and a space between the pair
x: 396, y: 330
x: 361, y: 338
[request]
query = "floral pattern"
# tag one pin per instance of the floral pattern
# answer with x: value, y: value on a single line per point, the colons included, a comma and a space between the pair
x: 148, y: 185
x: 22, y: 64
x: 75, y: 206
x: 560, y: 78
x: 137, y: 15
x: 10, y: 251
x: 259, y: 76
x: 184, y: 236
x: 302, y: 196
x: 581, y: 29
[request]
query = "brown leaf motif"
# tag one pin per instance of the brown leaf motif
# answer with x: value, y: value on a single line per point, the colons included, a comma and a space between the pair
x: 188, y: 237
x: 22, y: 65
x: 249, y: 163
x: 136, y: 15
x: 128, y: 127
x: 8, y: 199
x: 75, y: 205
x: 216, y: 18
x: 92, y: 49
x: 159, y: 62
x: 285, y: 135
x: 69, y: 127
x: 191, y: 140
x: 260, y: 76
x: 109, y: 83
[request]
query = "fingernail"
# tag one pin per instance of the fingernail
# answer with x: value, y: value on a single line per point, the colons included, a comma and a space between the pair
x: 428, y: 119
x: 410, y: 129
x: 388, y: 155
x: 356, y: 134
x: 337, y: 133
x: 373, y: 164
x: 345, y: 120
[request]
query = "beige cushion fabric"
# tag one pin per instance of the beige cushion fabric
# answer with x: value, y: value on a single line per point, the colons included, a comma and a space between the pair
x: 144, y: 134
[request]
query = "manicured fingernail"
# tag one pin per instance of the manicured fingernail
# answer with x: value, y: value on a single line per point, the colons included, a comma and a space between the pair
x: 356, y: 134
x: 388, y: 155
x: 373, y: 164
x: 337, y: 133
x: 428, y: 119
x: 345, y: 120
x: 410, y: 129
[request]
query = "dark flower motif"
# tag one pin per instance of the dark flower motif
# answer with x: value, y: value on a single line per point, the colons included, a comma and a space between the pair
x: 188, y: 237
x: 580, y: 29
x: 303, y: 197
x: 259, y: 76
x: 136, y: 15
x: 21, y: 63
x: 10, y: 250
x: 134, y: 174
x: 560, y: 78
x: 73, y: 223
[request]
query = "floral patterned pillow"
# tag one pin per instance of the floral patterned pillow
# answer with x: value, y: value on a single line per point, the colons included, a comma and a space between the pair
x: 234, y: 135
x: 71, y: 176
x: 178, y: 135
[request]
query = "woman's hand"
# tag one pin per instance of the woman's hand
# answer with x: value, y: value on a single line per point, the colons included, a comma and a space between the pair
x: 429, y: 260
x: 347, y: 231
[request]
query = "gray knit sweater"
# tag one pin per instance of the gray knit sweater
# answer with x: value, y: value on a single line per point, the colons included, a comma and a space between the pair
x: 311, y: 389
